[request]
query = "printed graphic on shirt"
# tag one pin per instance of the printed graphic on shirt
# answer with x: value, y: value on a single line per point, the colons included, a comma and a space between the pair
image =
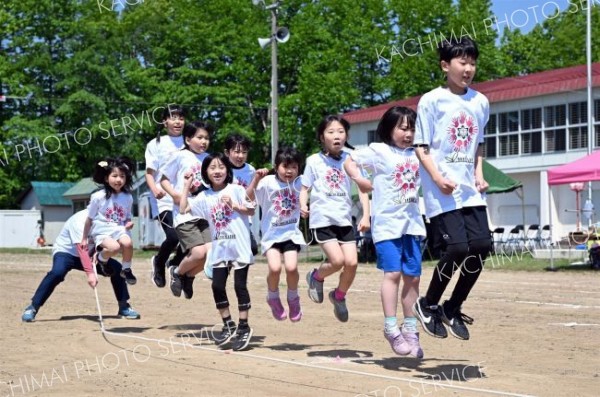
x: 462, y: 131
x: 241, y: 182
x: 195, y: 170
x: 285, y: 203
x: 116, y: 214
x: 334, y: 180
x: 405, y: 177
x: 221, y: 215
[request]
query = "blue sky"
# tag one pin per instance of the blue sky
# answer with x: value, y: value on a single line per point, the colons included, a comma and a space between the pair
x: 525, y: 14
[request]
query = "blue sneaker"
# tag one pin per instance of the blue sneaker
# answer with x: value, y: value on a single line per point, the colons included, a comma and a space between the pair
x: 129, y: 313
x: 29, y: 314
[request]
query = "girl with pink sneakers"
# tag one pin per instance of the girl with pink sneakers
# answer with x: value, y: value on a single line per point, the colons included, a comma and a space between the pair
x: 278, y: 196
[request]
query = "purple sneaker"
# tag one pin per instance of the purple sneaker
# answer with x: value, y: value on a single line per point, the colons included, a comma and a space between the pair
x: 412, y: 338
x: 295, y: 310
x: 277, y: 309
x: 398, y: 344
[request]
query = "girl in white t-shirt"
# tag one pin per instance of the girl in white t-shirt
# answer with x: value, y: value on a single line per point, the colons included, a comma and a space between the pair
x: 157, y: 153
x: 236, y: 149
x: 109, y: 214
x: 277, y: 195
x: 192, y: 231
x: 330, y: 213
x: 397, y: 224
x: 226, y: 208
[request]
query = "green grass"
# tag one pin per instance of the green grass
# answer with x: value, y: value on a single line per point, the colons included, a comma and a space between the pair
x: 494, y: 263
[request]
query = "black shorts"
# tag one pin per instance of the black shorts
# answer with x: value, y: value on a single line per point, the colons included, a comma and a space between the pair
x: 459, y: 226
x: 285, y: 246
x: 341, y: 234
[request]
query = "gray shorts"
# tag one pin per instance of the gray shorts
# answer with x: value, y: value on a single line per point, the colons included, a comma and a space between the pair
x: 193, y: 233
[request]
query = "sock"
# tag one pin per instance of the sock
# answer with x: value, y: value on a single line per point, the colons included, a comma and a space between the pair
x: 228, y: 321
x: 244, y: 323
x: 316, y: 276
x: 391, y: 325
x: 292, y: 294
x: 273, y: 294
x: 339, y: 295
x: 126, y: 265
x: 410, y: 324
x: 101, y: 257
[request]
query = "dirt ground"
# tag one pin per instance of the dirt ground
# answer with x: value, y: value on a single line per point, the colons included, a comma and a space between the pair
x: 535, y: 333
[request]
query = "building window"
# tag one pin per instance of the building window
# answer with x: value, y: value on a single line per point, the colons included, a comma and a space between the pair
x: 531, y: 119
x: 555, y: 140
x: 531, y: 142
x: 509, y: 145
x: 490, y: 127
x: 555, y: 116
x: 578, y: 138
x: 372, y: 137
x: 489, y: 147
x: 509, y: 122
x: 578, y: 113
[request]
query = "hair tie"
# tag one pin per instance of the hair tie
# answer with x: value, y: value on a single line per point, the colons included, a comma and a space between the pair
x: 103, y: 164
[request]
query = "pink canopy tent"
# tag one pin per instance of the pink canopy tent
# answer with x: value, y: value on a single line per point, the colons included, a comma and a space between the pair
x: 586, y: 169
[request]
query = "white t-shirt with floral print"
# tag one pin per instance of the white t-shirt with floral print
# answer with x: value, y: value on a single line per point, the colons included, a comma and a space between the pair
x: 280, y: 204
x: 395, y: 206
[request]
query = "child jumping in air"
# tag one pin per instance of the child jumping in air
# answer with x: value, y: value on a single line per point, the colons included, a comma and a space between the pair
x: 449, y: 143
x: 330, y: 213
x: 236, y: 149
x: 277, y: 196
x: 157, y: 153
x: 225, y: 207
x: 397, y: 224
x: 193, y: 233
x: 109, y: 214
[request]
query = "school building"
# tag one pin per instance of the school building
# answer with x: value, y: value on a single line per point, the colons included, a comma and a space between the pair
x: 536, y: 122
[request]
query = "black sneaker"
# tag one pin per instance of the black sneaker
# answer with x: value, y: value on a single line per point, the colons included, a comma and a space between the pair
x: 127, y: 274
x: 158, y: 274
x: 176, y: 282
x: 456, y: 322
x: 226, y: 334
x: 242, y: 338
x: 430, y: 318
x: 188, y: 287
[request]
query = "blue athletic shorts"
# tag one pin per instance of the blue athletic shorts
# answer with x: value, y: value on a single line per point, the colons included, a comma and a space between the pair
x: 400, y: 255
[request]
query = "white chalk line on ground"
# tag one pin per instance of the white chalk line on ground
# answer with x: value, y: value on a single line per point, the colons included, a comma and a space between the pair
x: 575, y: 324
x: 301, y: 364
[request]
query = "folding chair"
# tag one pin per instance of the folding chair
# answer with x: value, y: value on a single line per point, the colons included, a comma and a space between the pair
x: 545, y: 241
x: 498, y: 239
x: 515, y: 239
x: 532, y: 236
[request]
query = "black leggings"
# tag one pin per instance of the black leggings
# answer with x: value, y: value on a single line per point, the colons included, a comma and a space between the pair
x: 219, y: 281
x: 171, y: 242
x: 469, y: 259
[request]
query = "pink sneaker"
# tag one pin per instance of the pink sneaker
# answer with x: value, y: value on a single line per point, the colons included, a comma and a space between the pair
x: 400, y: 346
x: 295, y: 310
x: 412, y: 338
x: 277, y: 309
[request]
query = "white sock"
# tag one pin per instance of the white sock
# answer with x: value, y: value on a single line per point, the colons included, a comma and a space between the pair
x: 126, y: 265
